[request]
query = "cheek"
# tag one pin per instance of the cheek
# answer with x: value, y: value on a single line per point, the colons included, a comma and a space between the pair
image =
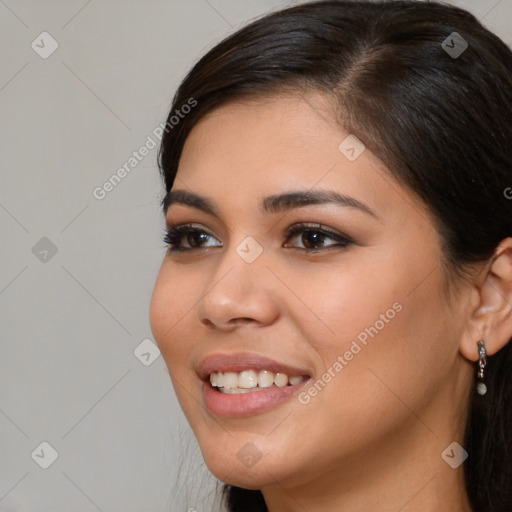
x: 172, y: 302
x: 352, y: 300
x: 392, y: 344
x: 390, y: 339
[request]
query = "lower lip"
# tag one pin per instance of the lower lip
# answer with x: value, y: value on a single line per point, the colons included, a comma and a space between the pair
x: 244, y: 404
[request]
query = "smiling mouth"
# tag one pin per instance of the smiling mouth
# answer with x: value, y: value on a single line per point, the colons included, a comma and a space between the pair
x: 248, y: 381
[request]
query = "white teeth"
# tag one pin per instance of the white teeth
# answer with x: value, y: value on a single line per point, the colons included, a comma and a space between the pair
x: 265, y: 379
x: 247, y: 379
x: 237, y: 391
x: 229, y: 380
x: 280, y: 379
x: 251, y: 380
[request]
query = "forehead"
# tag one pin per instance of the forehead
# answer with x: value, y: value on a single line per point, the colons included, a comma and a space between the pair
x: 262, y: 146
x: 268, y: 127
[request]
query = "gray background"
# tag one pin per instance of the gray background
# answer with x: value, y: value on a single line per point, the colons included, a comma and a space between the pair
x: 71, y: 320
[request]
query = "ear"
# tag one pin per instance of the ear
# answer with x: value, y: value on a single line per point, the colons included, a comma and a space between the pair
x: 491, y: 311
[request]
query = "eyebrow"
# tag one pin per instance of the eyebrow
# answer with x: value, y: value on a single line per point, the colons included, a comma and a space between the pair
x: 272, y: 204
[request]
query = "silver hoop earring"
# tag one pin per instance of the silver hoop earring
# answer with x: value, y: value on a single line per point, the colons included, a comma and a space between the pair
x: 481, y: 388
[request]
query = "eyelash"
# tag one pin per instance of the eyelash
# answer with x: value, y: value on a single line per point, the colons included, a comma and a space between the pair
x: 174, y: 235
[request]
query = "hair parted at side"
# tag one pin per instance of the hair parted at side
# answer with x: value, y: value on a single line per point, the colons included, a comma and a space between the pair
x: 441, y: 125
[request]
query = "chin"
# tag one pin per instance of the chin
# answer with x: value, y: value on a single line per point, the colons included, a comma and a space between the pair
x: 247, y: 466
x: 227, y: 467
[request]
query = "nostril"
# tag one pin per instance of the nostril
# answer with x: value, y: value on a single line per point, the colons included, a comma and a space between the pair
x: 242, y: 321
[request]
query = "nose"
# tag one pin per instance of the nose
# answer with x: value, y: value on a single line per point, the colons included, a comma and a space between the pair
x: 238, y: 293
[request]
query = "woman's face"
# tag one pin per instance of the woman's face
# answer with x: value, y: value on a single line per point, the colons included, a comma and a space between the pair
x: 352, y: 301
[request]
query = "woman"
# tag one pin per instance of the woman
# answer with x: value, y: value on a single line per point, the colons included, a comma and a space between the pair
x: 335, y: 307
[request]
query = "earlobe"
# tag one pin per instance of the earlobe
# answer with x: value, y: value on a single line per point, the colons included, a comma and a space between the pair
x: 491, y: 319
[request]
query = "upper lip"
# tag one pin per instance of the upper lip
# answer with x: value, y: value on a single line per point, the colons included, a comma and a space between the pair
x: 237, y: 362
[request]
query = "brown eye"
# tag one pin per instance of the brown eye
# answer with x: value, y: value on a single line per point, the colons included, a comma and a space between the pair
x: 195, y: 238
x: 313, y: 238
x: 187, y: 238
